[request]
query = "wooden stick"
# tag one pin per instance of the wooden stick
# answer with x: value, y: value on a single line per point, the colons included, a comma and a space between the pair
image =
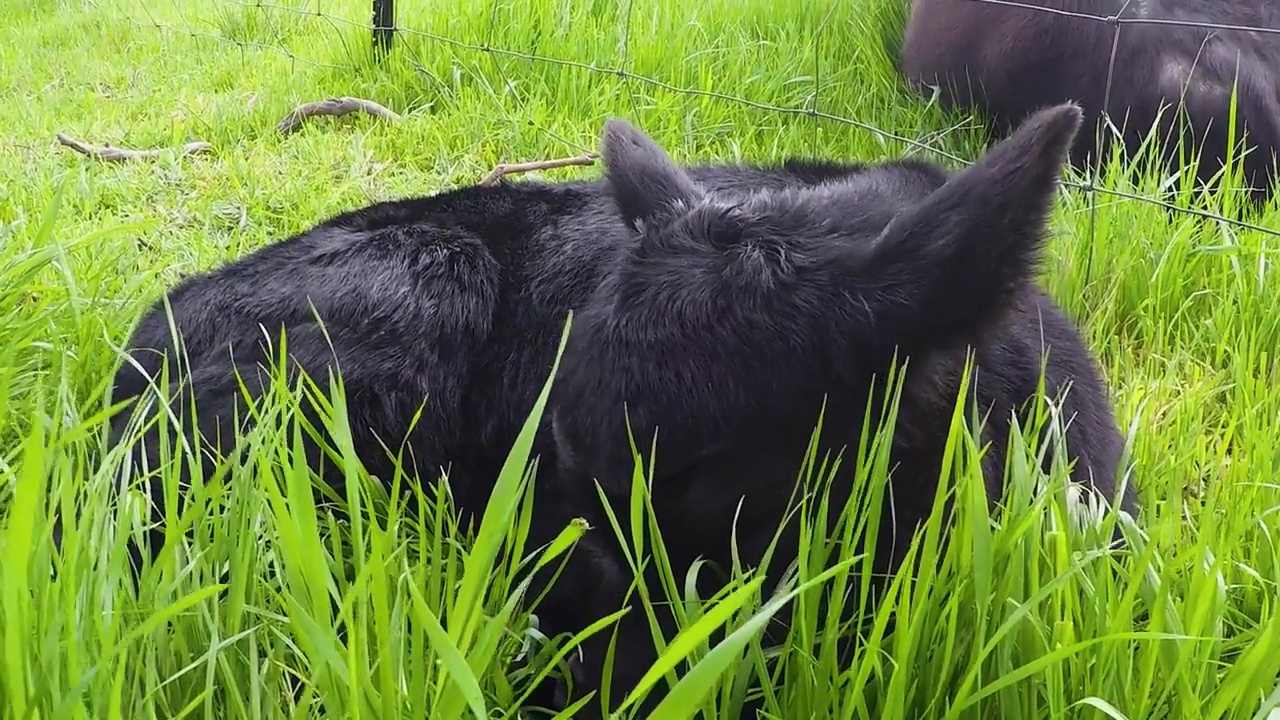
x: 332, y: 106
x: 504, y: 169
x: 108, y: 153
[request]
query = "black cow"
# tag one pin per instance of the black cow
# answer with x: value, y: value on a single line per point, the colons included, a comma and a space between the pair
x: 722, y: 306
x: 1004, y: 62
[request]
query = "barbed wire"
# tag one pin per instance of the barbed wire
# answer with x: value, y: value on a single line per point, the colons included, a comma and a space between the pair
x: 622, y: 71
x: 1116, y: 19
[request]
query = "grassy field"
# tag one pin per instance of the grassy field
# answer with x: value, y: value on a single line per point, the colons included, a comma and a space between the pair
x: 1021, y: 619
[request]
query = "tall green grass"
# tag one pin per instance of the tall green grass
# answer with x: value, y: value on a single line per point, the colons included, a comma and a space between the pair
x: 267, y: 605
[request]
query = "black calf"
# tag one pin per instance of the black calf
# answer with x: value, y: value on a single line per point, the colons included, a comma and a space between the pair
x: 732, y: 317
x: 720, y: 305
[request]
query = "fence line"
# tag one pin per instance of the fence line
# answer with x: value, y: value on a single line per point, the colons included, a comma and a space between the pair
x: 1118, y: 20
x: 383, y: 28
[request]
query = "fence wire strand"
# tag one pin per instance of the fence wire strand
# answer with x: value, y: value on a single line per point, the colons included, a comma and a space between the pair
x: 812, y: 109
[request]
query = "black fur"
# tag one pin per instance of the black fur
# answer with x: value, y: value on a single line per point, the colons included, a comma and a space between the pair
x: 454, y: 300
x: 721, y: 305
x: 1004, y: 62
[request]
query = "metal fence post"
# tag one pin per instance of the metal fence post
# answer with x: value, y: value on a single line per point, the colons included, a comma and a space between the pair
x: 384, y: 25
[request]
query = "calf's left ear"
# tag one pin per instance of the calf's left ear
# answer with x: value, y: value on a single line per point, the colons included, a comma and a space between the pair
x: 646, y: 184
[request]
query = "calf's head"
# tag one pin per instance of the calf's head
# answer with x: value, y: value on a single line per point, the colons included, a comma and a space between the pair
x: 736, y: 308
x: 732, y: 313
x: 908, y: 252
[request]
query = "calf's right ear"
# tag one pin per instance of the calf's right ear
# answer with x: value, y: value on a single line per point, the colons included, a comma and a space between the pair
x: 951, y: 263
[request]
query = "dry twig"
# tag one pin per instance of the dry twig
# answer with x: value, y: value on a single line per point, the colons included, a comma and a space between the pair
x: 502, y: 170
x: 332, y: 106
x: 108, y: 153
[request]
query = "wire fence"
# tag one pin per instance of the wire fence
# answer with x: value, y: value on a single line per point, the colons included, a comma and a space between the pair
x: 384, y: 25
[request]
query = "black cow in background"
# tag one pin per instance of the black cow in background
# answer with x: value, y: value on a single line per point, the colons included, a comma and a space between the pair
x: 721, y: 305
x: 1004, y: 62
